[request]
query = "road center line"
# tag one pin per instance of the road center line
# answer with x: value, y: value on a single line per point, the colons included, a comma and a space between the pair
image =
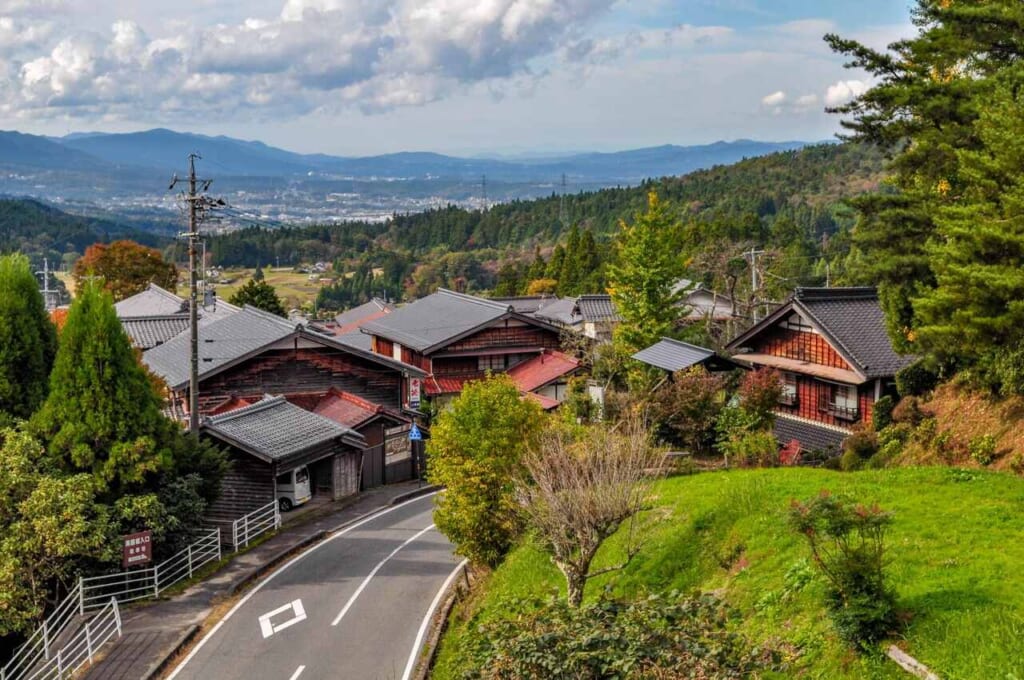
x: 369, y: 577
x: 277, y: 572
x: 410, y: 666
x: 297, y: 673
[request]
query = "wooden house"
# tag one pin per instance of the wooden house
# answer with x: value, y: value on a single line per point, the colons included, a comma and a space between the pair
x: 831, y: 349
x: 270, y: 438
x: 454, y: 338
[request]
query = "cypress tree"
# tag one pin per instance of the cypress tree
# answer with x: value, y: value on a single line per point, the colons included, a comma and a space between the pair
x: 28, y: 340
x: 103, y: 415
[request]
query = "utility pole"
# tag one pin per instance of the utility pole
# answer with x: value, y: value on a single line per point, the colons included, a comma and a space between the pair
x: 561, y: 204
x: 753, y: 279
x: 483, y: 186
x: 48, y: 295
x: 197, y: 204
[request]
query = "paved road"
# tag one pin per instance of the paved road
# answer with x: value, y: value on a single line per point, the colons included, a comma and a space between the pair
x: 352, y: 607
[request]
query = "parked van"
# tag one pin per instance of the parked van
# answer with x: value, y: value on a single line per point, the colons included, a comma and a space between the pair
x: 293, y: 488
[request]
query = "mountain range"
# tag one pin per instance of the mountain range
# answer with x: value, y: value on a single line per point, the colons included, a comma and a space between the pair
x: 164, y: 151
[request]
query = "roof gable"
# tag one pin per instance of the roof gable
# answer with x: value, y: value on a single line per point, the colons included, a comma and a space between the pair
x: 440, y: 319
x: 851, y: 321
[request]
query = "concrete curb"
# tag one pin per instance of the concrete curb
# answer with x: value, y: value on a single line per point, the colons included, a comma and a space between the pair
x: 439, y: 624
x: 184, y: 641
x: 415, y: 493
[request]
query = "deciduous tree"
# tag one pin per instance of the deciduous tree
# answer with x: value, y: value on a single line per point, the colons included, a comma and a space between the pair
x: 475, y: 452
x: 126, y: 268
x: 259, y: 294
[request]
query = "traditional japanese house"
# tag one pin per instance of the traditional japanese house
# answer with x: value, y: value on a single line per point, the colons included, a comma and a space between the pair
x: 155, y: 315
x: 270, y: 438
x: 835, y: 359
x: 455, y: 338
x: 252, y: 353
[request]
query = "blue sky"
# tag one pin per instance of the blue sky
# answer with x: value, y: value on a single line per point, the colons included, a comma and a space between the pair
x: 359, y: 77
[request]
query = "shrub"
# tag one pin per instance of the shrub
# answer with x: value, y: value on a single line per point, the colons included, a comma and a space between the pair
x: 751, y: 449
x: 887, y: 452
x: 916, y: 379
x: 983, y: 449
x: 881, y: 414
x: 847, y: 542
x: 908, y: 411
x: 759, y: 394
x: 1008, y: 371
x: 688, y: 405
x: 850, y: 461
x: 656, y: 637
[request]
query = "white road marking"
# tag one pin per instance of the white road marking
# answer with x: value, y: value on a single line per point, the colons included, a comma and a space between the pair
x: 410, y: 666
x: 297, y: 673
x: 369, y: 577
x: 268, y: 579
x: 269, y: 629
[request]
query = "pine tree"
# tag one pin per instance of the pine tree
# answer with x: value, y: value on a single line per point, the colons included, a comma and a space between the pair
x: 258, y: 274
x: 642, y: 275
x: 103, y: 415
x: 259, y: 294
x: 977, y: 305
x: 569, y: 274
x: 28, y: 341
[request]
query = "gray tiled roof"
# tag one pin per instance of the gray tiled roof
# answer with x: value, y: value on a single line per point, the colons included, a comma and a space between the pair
x: 147, y: 332
x: 154, y: 301
x: 561, y: 311
x: 811, y: 437
x: 357, y: 340
x: 220, y: 342
x: 436, y: 320
x: 673, y: 355
x: 854, y: 319
x: 359, y: 313
x: 597, y: 308
x: 275, y: 429
x: 526, y: 304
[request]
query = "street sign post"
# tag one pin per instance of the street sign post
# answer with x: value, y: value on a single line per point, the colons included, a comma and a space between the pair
x: 414, y: 434
x: 137, y: 549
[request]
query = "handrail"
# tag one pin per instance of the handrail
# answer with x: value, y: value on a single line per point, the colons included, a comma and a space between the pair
x: 259, y: 521
x: 83, y: 647
x: 39, y: 645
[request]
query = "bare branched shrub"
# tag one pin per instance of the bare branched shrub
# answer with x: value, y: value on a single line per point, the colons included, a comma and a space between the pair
x: 580, y: 489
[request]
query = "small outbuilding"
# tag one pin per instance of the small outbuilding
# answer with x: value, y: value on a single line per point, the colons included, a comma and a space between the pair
x: 675, y: 355
x: 271, y: 438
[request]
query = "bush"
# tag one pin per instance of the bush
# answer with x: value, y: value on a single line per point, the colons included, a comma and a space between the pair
x: 847, y: 542
x: 656, y: 637
x: 1007, y: 369
x: 983, y: 449
x: 759, y: 394
x: 908, y: 411
x: 850, y: 461
x: 916, y: 379
x: 751, y: 449
x: 881, y: 414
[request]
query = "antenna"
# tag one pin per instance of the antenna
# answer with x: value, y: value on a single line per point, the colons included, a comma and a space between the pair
x: 483, y: 186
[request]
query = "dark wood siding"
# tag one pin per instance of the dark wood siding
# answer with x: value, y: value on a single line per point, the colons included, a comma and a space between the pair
x: 502, y: 337
x: 303, y: 371
x: 247, y: 486
x: 800, y: 345
x: 813, y: 394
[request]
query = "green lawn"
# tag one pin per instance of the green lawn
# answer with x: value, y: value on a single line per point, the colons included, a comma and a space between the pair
x: 956, y: 561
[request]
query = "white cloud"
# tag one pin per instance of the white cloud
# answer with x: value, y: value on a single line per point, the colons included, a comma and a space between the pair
x: 844, y: 91
x: 774, y: 99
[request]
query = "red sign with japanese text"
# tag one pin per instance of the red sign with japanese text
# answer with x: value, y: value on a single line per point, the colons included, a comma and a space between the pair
x: 137, y: 549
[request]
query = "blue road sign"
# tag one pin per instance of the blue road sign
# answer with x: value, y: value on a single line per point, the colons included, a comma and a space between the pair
x: 414, y: 434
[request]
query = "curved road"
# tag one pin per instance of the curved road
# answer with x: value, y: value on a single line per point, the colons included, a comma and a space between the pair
x: 352, y: 607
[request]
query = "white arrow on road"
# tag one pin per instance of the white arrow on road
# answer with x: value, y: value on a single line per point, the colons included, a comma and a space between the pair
x: 299, y: 614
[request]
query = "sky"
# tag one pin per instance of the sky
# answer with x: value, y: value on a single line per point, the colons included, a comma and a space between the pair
x: 363, y: 77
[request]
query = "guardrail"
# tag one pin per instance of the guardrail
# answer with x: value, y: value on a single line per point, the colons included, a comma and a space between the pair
x: 81, y: 649
x: 41, y: 644
x: 138, y: 584
x: 256, y: 523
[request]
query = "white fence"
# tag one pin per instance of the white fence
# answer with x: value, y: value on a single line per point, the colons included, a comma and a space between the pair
x: 43, y: 643
x: 81, y: 648
x: 256, y: 523
x: 138, y: 584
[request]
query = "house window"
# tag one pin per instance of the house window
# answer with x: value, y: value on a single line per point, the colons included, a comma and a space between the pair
x: 396, y: 352
x: 840, y: 401
x: 788, y: 396
x: 493, y: 362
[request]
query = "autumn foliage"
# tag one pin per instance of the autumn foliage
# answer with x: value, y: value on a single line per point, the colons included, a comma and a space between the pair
x: 126, y: 268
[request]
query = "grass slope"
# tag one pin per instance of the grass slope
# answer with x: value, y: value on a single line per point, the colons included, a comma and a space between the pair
x: 955, y: 560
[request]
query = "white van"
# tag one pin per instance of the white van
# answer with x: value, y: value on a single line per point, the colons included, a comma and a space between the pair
x: 293, y: 488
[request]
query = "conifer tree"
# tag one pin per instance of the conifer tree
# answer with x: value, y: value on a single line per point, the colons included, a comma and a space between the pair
x: 977, y: 305
x: 641, y: 278
x: 258, y: 274
x: 103, y: 415
x: 28, y: 341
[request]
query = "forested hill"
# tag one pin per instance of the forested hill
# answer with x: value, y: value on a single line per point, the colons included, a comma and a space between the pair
x: 805, y: 185
x: 39, y: 230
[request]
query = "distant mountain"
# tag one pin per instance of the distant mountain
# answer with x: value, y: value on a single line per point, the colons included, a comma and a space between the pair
x: 32, y: 151
x: 166, y: 150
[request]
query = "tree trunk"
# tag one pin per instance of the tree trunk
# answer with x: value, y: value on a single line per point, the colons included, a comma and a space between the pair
x: 575, y: 582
